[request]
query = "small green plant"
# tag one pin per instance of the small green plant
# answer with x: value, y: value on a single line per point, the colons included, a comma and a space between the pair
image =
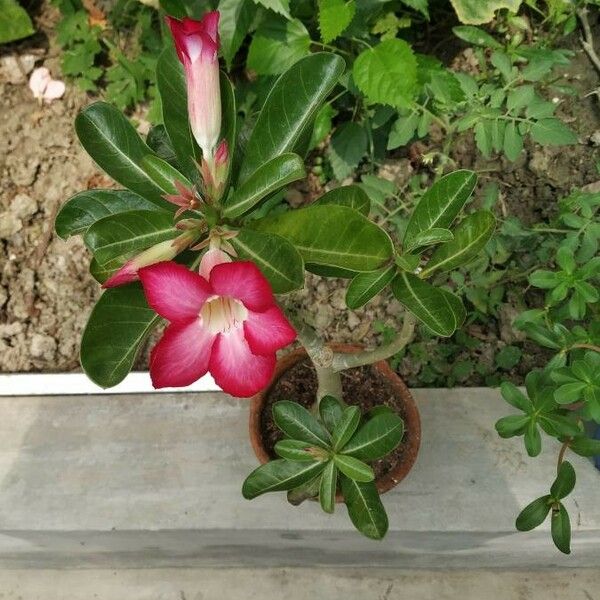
x: 324, y: 456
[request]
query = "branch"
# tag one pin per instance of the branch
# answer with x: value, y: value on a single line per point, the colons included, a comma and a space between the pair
x: 588, y: 38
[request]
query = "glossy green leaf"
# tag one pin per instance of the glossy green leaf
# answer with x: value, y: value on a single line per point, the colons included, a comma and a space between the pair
x: 366, y: 286
x: 294, y: 450
x: 304, y: 491
x: 565, y: 481
x: 328, y: 487
x: 512, y: 425
x: 269, y: 178
x: 119, y: 323
x: 352, y: 196
x: 136, y: 230
x: 277, y: 258
x: 440, y: 310
x: 110, y: 139
x: 377, y: 437
x: 85, y: 208
x: 159, y: 141
x: 561, y: 529
x: 294, y: 100
x: 441, y: 204
x: 346, y: 427
x: 299, y: 424
x: 335, y: 236
x: 278, y: 475
x: 330, y: 411
x: 534, y: 514
x: 470, y: 237
x: 163, y: 174
x: 353, y: 468
x: 365, y: 508
x: 430, y: 237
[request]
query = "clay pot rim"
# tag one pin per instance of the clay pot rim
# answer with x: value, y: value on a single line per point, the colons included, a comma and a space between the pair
x: 412, y: 420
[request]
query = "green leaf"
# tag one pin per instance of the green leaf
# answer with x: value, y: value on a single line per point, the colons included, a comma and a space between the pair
x: 15, y: 23
x: 565, y: 481
x: 570, y: 392
x: 234, y: 24
x: 508, y: 357
x: 585, y: 446
x: 352, y: 196
x: 294, y: 450
x: 477, y: 12
x: 297, y: 423
x: 160, y: 143
x: 418, y: 5
x: 366, y: 286
x: 294, y: 100
x: 110, y: 139
x: 119, y: 323
x: 334, y: 17
x: 403, y: 130
x: 519, y: 98
x: 346, y: 427
x: 533, y: 439
x: 476, y: 36
x: 85, y: 208
x: 128, y: 232
x: 440, y: 310
x: 328, y: 487
x: 441, y: 204
x: 278, y: 475
x: 353, y: 468
x: 335, y: 236
x: 377, y: 437
x: 170, y: 79
x: 470, y: 238
x: 347, y: 147
x: 277, y: 44
x: 515, y: 397
x: 430, y: 237
x: 512, y: 425
x: 268, y: 178
x: 331, y: 412
x: 281, y: 7
x: 561, y: 529
x: 552, y: 132
x: 365, y: 508
x: 534, y: 514
x: 513, y: 141
x: 387, y: 73
x: 163, y: 174
x: 306, y: 490
x: 277, y: 258
x: 483, y: 137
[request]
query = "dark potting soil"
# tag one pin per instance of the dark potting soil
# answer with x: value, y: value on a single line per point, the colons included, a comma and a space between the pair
x: 364, y: 387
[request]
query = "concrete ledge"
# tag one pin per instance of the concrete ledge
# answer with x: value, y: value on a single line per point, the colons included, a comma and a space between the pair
x: 154, y: 480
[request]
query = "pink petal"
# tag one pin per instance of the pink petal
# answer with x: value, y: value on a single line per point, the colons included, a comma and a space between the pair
x: 266, y: 332
x: 126, y: 274
x: 235, y: 369
x: 54, y: 90
x: 39, y: 81
x: 242, y: 280
x: 173, y: 291
x: 181, y: 356
x: 210, y: 259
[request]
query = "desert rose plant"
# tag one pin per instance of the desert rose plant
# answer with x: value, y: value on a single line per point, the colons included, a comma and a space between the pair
x: 191, y: 241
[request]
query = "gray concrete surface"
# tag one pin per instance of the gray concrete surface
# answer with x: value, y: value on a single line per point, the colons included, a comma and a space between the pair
x: 154, y: 481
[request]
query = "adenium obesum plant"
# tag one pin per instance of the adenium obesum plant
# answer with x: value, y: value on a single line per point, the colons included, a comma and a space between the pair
x: 190, y: 240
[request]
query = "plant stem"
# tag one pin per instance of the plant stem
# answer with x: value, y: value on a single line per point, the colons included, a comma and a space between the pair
x: 588, y: 38
x: 561, y: 454
x: 349, y: 361
x: 586, y: 346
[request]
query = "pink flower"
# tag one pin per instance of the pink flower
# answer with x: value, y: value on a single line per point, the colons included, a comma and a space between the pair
x: 44, y: 87
x: 227, y: 323
x: 197, y: 45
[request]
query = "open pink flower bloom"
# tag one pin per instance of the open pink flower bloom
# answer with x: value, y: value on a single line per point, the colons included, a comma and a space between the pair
x: 44, y: 87
x: 197, y: 44
x: 227, y: 324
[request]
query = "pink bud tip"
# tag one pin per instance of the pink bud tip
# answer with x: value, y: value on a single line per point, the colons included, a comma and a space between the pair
x: 126, y: 274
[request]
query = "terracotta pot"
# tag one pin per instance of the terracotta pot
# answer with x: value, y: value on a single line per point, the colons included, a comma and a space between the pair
x: 412, y: 421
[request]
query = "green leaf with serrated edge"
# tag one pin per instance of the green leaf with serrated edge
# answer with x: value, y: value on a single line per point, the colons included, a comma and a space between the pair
x: 476, y: 12
x: 430, y: 237
x: 294, y: 100
x: 294, y: 450
x: 85, y: 208
x: 561, y: 529
x: 476, y: 36
x: 352, y: 196
x: 552, y: 132
x: 330, y: 411
x: 236, y: 17
x: 163, y: 174
x: 515, y: 397
x: 279, y: 475
x: 277, y: 258
x: 269, y: 178
x: 346, y: 427
x: 403, y: 130
x: 297, y: 423
x: 281, y: 7
x: 15, y: 23
x: 377, y: 437
x: 585, y: 446
x: 513, y: 141
x: 532, y: 438
x: 418, y: 5
x: 110, y: 139
x: 387, y: 73
x: 354, y: 468
x: 366, y: 286
x: 328, y: 487
x: 364, y: 508
x: 565, y: 481
x: 171, y: 84
x: 135, y: 230
x: 534, y: 514
x: 347, y: 147
x: 512, y: 425
x: 335, y: 236
x: 119, y: 323
x: 441, y: 311
x: 470, y: 238
x: 334, y: 17
x: 441, y: 204
x: 309, y: 489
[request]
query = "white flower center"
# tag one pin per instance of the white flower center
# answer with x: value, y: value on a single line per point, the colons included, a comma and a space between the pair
x: 221, y: 314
